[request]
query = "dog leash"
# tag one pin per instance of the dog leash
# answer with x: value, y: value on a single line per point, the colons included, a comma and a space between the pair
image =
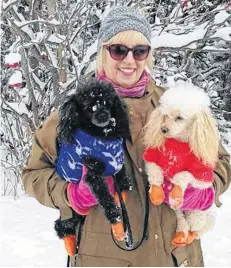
x: 126, y: 223
x: 127, y: 227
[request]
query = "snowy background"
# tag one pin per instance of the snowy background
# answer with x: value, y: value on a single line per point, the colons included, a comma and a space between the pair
x: 46, y: 46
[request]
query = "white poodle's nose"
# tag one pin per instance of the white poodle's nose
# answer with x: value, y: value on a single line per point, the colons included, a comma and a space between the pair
x: 164, y: 129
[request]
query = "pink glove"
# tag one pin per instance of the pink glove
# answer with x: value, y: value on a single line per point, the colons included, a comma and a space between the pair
x: 80, y: 196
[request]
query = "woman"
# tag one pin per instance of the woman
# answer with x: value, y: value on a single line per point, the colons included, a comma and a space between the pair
x: 124, y: 59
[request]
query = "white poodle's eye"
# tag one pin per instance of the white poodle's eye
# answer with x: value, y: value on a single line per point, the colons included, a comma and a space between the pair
x: 94, y: 108
x: 179, y: 118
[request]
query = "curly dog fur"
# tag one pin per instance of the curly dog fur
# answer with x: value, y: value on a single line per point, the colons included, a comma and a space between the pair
x: 184, y: 115
x: 67, y: 227
x: 96, y: 109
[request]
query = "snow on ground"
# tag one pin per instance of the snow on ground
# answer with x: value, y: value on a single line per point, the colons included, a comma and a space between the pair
x: 28, y: 238
x: 217, y: 243
x: 27, y: 235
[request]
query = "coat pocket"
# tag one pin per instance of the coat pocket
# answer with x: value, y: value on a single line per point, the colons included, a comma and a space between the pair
x: 92, y: 261
x: 189, y: 256
x: 180, y: 257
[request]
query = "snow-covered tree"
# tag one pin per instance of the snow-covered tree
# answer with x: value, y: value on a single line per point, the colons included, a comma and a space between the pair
x: 192, y: 41
x: 48, y: 45
x: 43, y: 48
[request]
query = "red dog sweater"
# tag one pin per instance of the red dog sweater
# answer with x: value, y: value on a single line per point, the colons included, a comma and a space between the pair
x: 176, y: 156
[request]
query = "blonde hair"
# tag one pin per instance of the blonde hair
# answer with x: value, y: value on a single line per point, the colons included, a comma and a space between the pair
x: 133, y: 37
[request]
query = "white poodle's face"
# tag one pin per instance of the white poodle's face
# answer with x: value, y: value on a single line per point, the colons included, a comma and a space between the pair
x: 176, y: 125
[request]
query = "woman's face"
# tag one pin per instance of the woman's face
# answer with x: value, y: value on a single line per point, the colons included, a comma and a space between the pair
x: 126, y: 72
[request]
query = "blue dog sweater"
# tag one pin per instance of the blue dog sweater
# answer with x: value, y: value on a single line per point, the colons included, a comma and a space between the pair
x: 70, y: 159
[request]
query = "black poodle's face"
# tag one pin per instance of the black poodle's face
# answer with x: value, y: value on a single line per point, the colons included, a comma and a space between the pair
x: 97, y: 109
x: 96, y: 105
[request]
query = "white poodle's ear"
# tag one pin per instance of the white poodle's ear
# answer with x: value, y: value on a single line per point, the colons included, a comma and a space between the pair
x: 153, y: 136
x: 204, y: 138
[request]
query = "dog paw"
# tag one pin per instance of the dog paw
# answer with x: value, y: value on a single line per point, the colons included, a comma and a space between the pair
x: 176, y: 197
x: 118, y: 231
x: 70, y: 244
x: 156, y: 195
x: 180, y: 239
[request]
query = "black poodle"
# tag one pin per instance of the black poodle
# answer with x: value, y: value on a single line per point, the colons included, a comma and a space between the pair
x: 95, y: 110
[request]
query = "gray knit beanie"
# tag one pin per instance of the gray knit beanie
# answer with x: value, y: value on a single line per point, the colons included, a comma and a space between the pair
x: 123, y: 18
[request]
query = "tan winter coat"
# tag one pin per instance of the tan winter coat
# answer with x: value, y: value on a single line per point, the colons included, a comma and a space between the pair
x: 97, y: 248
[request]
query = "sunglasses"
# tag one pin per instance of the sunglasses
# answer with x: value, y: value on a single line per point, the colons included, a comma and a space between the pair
x: 120, y: 52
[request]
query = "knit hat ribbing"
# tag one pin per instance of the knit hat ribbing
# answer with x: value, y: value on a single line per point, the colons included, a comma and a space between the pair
x: 121, y: 19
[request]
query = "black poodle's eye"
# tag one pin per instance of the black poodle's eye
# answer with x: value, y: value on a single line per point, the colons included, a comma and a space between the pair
x: 179, y: 118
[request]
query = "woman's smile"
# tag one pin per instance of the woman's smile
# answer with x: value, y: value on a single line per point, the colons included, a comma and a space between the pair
x: 127, y: 71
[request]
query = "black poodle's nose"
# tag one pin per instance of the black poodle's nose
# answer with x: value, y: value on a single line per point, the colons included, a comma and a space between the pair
x: 164, y: 130
x: 103, y: 116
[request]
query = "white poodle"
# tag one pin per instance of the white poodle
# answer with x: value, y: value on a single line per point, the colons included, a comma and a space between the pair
x: 182, y: 142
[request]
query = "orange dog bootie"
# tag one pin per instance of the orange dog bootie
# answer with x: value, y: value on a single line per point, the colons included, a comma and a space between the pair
x: 70, y: 244
x: 180, y: 239
x: 176, y: 197
x: 118, y: 228
x: 191, y: 237
x: 118, y: 231
x: 156, y: 195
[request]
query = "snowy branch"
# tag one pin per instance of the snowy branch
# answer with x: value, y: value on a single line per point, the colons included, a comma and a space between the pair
x: 57, y: 44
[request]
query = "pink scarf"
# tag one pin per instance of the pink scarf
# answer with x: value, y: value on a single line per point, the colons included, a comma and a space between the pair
x: 136, y: 91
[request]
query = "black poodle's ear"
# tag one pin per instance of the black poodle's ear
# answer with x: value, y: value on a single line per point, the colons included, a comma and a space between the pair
x: 69, y: 119
x: 120, y: 112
